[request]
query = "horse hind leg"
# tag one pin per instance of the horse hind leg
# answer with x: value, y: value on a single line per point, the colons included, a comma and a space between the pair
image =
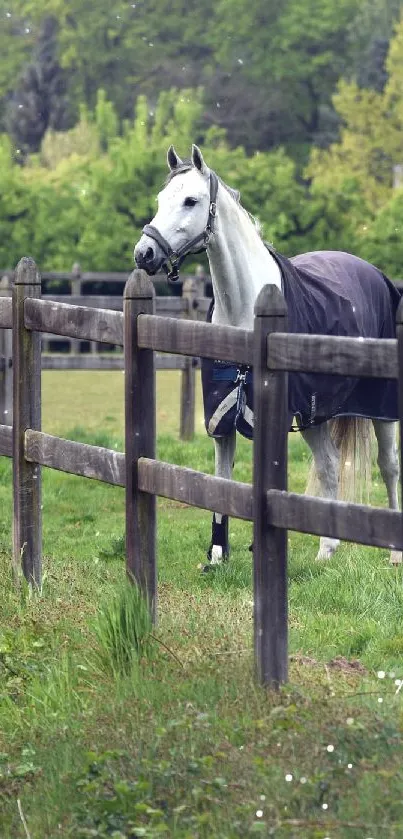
x: 326, y: 457
x: 388, y: 462
x: 224, y: 460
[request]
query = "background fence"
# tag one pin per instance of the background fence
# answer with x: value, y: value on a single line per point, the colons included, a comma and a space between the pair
x: 273, y: 510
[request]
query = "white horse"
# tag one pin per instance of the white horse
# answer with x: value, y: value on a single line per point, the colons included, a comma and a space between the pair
x: 195, y: 209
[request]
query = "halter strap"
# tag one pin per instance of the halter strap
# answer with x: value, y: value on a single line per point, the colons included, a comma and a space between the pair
x: 173, y: 259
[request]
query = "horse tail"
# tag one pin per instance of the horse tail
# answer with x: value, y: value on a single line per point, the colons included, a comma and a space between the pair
x: 353, y: 437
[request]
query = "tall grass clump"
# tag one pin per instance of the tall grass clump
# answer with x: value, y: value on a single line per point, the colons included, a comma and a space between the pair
x: 123, y: 630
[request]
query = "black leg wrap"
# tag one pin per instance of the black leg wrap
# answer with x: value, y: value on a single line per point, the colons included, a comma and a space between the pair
x: 219, y: 536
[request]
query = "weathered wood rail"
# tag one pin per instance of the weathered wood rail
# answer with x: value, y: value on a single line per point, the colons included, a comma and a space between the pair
x: 191, y: 306
x: 267, y: 502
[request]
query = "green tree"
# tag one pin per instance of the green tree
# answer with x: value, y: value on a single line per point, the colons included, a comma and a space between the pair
x: 381, y: 240
x: 268, y: 69
x: 369, y: 36
x: 370, y: 143
x: 294, y: 51
x: 39, y: 102
x: 16, y: 39
x: 15, y: 208
x: 89, y: 191
x: 357, y: 173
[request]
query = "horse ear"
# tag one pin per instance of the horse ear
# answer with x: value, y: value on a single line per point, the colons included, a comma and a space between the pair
x: 198, y: 161
x: 173, y: 159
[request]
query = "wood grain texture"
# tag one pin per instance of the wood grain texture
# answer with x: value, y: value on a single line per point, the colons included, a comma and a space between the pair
x: 100, y: 325
x: 6, y: 441
x: 88, y: 461
x: 269, y: 471
x: 6, y: 316
x: 196, y: 488
x: 27, y: 531
x: 359, y: 523
x: 367, y: 357
x: 205, y: 340
x: 140, y: 439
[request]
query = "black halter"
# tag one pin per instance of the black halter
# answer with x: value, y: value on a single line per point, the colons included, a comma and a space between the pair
x: 174, y: 259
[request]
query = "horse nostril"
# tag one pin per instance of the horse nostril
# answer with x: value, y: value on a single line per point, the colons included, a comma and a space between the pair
x: 149, y: 255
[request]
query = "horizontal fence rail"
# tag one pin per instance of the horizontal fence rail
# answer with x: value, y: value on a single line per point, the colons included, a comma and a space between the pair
x: 80, y: 459
x: 195, y: 488
x: 334, y: 355
x: 81, y: 322
x: 164, y: 305
x: 359, y: 523
x: 193, y: 338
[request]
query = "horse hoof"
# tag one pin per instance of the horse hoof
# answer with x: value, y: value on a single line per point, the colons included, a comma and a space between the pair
x: 327, y: 547
x: 216, y: 554
x: 324, y: 555
x: 206, y: 569
x: 395, y: 558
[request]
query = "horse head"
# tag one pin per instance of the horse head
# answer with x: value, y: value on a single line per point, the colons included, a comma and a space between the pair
x: 185, y: 216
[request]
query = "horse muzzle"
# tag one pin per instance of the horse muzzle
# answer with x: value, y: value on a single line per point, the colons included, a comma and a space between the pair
x: 148, y: 255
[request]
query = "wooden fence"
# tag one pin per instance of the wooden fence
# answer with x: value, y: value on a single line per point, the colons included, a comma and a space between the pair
x: 273, y: 510
x: 191, y: 305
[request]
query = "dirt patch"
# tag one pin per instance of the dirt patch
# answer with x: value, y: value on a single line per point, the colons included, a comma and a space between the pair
x: 346, y: 666
x: 304, y: 659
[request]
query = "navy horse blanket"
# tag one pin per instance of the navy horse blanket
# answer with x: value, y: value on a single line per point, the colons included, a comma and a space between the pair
x: 327, y: 293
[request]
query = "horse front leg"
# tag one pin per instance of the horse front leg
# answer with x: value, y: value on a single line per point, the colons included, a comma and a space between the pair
x: 326, y: 457
x: 218, y: 551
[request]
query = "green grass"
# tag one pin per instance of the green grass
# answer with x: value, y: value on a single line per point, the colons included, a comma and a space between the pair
x: 179, y: 740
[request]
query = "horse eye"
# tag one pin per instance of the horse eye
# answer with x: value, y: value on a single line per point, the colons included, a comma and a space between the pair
x: 190, y: 202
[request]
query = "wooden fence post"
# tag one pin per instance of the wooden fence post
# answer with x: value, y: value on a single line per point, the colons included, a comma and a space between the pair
x: 269, y: 472
x: 139, y: 298
x: 6, y: 363
x: 27, y: 533
x: 190, y: 292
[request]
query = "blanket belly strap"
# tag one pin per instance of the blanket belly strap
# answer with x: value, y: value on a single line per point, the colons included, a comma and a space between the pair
x: 228, y: 398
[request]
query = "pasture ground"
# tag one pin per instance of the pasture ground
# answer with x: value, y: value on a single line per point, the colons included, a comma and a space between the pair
x: 184, y: 743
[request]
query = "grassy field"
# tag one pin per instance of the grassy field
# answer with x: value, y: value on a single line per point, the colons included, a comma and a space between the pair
x: 177, y: 739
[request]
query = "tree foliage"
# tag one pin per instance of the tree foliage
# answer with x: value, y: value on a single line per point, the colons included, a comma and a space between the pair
x: 89, y: 191
x: 261, y: 85
x: 360, y: 168
x: 39, y: 102
x: 268, y: 69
